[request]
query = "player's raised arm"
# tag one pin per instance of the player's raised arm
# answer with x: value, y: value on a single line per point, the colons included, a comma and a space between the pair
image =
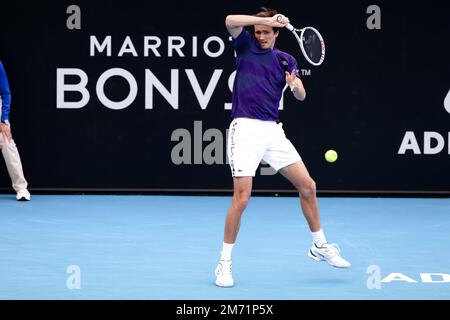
x: 235, y: 23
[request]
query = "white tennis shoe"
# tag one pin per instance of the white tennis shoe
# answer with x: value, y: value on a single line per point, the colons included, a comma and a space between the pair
x: 23, y: 195
x: 329, y: 253
x: 224, y: 277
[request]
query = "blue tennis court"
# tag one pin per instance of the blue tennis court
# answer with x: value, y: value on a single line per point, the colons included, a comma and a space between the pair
x: 167, y: 247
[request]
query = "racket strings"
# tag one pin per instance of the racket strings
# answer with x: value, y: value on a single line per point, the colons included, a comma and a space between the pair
x: 313, y: 46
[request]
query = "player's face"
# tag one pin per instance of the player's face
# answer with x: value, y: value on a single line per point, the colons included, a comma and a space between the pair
x: 265, y: 36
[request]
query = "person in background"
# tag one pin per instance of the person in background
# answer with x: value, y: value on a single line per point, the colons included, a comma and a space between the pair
x: 7, y: 145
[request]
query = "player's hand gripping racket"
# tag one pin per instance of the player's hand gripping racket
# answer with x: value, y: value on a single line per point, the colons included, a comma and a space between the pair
x: 310, y: 41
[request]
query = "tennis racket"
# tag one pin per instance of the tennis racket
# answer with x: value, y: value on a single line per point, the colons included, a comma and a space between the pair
x: 310, y: 41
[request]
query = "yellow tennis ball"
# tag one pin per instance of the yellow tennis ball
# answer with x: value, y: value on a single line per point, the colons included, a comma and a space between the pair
x: 331, y: 156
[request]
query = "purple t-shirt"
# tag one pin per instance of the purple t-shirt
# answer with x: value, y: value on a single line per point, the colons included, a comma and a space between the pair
x: 260, y: 78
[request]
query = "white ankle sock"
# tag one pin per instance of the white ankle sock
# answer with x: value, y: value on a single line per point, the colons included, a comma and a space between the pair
x: 319, y: 238
x: 226, y: 251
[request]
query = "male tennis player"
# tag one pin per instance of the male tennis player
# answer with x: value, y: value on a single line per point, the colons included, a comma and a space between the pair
x: 255, y: 134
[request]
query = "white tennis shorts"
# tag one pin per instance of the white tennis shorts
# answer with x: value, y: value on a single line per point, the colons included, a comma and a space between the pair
x: 250, y: 140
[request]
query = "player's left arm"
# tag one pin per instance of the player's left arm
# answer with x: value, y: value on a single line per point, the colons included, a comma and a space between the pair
x: 296, y: 85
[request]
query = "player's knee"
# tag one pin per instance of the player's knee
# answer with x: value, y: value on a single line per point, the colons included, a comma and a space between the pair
x: 309, y: 189
x: 241, y: 200
x: 241, y: 204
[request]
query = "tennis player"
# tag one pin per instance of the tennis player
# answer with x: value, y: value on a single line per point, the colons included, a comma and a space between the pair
x: 255, y: 132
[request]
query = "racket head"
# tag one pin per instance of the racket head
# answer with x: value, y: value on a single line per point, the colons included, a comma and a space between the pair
x: 312, y: 45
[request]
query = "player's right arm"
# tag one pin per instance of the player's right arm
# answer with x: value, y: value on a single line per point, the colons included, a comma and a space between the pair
x: 236, y: 23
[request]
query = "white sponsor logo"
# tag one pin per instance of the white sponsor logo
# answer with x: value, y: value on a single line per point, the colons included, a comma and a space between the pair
x: 374, y: 280
x: 153, y: 47
x: 432, y: 142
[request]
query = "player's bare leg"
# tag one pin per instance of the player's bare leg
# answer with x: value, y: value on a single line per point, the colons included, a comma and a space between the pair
x: 299, y: 176
x: 241, y: 196
x: 320, y: 250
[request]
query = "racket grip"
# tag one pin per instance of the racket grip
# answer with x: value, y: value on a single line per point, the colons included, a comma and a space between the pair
x: 290, y: 27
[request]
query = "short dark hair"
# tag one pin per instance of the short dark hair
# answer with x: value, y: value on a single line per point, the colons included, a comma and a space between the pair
x: 266, y: 13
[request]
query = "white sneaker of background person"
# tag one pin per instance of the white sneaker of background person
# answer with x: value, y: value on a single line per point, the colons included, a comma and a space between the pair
x: 329, y: 253
x: 23, y: 195
x: 224, y: 277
